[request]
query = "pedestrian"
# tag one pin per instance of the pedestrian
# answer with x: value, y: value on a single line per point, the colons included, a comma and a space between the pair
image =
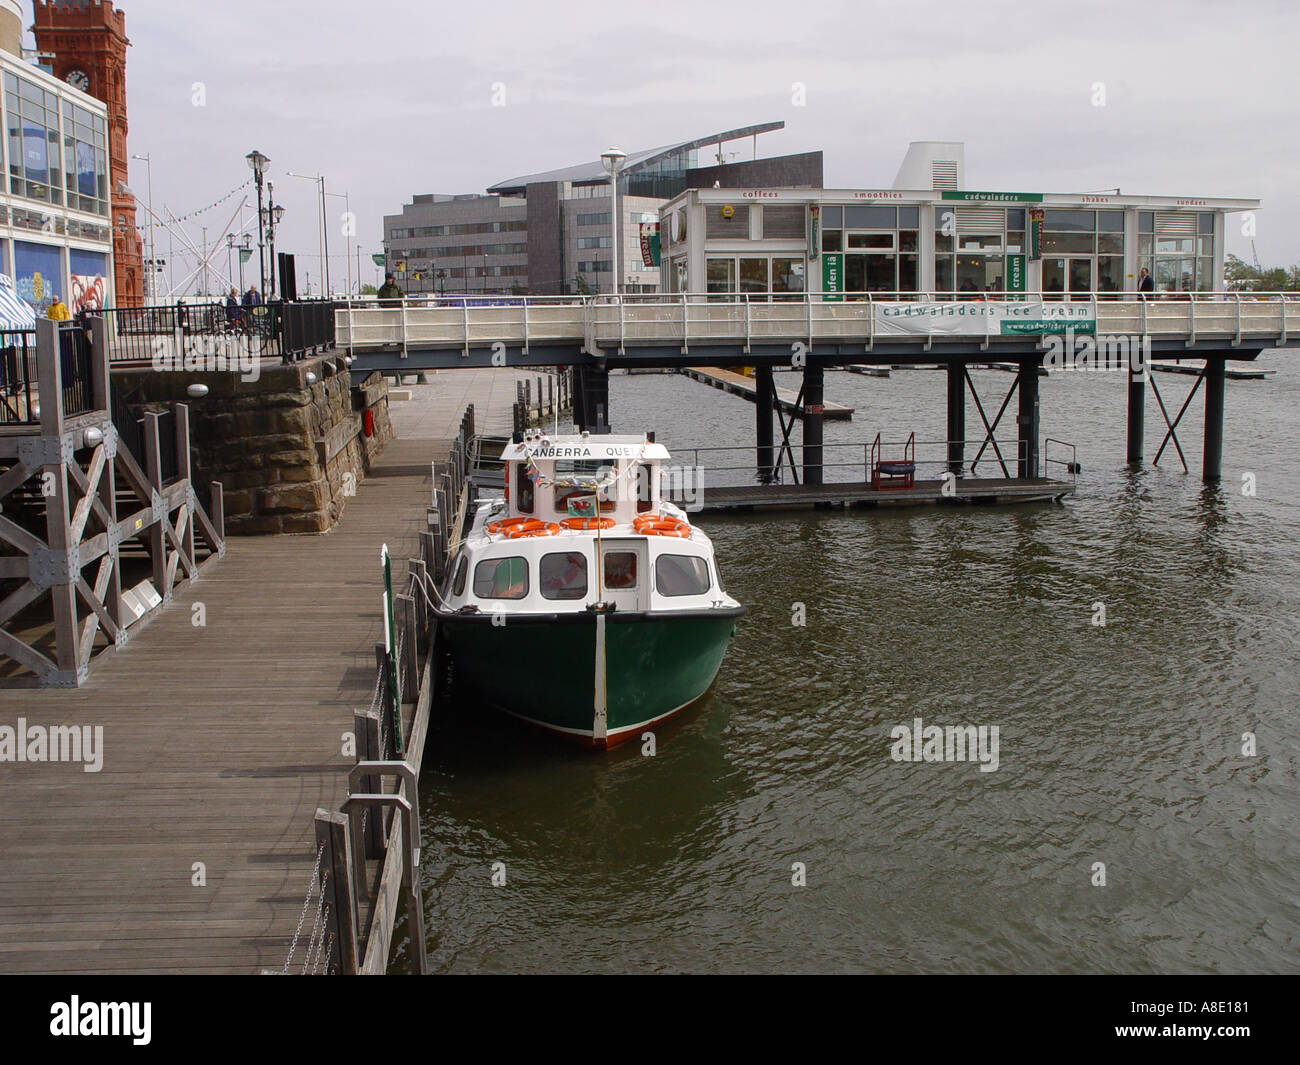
x: 233, y: 313
x: 252, y: 298
x: 1146, y: 283
x: 58, y: 311
x: 389, y: 294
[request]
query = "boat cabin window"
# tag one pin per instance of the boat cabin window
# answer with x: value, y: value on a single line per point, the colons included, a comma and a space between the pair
x: 501, y: 578
x: 458, y: 583
x: 524, y: 489
x: 681, y: 575
x: 563, y: 575
x: 620, y: 570
x: 643, y: 499
x: 582, y: 468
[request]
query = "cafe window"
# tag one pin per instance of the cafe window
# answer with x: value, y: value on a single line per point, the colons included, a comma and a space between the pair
x: 563, y: 575
x: 787, y: 275
x: 753, y: 275
x: 720, y: 275
x: 501, y: 578
x: 877, y: 241
x: 870, y: 217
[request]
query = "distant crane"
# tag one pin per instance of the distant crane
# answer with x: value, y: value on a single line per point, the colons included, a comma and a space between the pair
x: 1255, y: 255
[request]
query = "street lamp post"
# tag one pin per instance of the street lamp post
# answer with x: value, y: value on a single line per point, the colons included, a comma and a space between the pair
x: 153, y: 255
x: 258, y: 162
x: 273, y: 213
x: 613, y: 160
x: 347, y: 232
x: 323, y: 242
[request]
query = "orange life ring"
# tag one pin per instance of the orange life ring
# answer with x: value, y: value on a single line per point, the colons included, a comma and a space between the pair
x: 532, y: 527
x: 506, y: 523
x: 642, y: 519
x: 588, y: 523
x: 665, y: 527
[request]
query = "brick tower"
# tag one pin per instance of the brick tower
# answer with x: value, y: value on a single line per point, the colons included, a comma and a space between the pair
x: 88, y: 40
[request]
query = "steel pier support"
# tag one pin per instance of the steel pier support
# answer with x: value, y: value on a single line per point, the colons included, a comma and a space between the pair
x: 591, y: 398
x: 1137, y: 391
x: 1027, y: 418
x: 956, y: 417
x: 814, y: 397
x: 764, y: 421
x: 1212, y: 468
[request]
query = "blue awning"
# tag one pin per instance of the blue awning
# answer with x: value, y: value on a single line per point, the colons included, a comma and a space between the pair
x: 15, y: 312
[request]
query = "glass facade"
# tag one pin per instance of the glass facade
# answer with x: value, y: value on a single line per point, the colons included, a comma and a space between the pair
x: 981, y: 248
x: 56, y: 152
x: 879, y: 245
x: 662, y: 179
x: 1083, y: 251
x: 1178, y: 253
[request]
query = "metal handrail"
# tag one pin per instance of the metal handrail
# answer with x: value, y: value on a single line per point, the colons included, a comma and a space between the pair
x: 609, y: 321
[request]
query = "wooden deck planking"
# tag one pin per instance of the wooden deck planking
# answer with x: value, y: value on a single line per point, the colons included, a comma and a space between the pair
x: 747, y: 388
x: 220, y: 742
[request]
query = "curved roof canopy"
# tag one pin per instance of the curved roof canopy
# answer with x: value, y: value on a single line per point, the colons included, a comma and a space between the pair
x: 593, y: 173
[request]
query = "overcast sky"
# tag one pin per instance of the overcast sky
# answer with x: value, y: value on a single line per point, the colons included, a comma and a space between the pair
x: 393, y: 99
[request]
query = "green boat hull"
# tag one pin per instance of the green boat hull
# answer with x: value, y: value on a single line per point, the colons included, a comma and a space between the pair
x: 543, y: 668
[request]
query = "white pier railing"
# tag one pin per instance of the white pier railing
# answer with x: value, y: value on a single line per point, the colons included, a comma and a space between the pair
x: 610, y: 323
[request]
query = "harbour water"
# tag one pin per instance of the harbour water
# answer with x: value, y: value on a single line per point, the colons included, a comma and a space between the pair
x: 1120, y: 744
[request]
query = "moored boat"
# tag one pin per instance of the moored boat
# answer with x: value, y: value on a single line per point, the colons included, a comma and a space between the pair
x: 583, y: 601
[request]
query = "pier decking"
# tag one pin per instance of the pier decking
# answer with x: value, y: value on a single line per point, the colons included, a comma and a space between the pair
x: 964, y: 490
x: 220, y: 742
x: 747, y: 388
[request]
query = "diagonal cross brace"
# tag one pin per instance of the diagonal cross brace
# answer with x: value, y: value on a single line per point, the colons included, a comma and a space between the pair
x: 1171, y: 433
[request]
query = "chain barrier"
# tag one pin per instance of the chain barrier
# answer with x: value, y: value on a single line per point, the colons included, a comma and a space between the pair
x: 297, y: 933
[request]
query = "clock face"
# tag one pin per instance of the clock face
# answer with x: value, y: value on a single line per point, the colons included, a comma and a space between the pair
x: 79, y: 79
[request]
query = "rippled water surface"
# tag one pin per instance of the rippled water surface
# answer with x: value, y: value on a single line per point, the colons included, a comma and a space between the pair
x: 1120, y: 745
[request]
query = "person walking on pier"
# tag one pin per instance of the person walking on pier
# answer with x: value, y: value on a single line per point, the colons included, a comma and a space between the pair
x: 233, y: 312
x: 252, y: 298
x: 1146, y: 283
x: 58, y: 311
x: 389, y: 294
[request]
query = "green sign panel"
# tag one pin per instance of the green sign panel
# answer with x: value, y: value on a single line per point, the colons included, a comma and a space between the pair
x: 245, y: 254
x: 377, y: 258
x: 1015, y: 273
x: 1036, y: 234
x: 993, y: 197
x: 832, y: 277
x: 1041, y: 327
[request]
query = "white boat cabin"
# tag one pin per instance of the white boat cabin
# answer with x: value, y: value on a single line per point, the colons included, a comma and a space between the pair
x: 583, y: 522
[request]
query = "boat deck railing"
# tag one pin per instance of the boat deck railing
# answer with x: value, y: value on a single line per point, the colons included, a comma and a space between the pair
x: 853, y: 462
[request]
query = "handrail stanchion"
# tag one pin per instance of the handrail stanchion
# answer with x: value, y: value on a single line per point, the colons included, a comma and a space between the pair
x: 1237, y: 340
x: 871, y: 323
x: 686, y: 344
x: 464, y: 327
x: 525, y: 304
x: 747, y: 323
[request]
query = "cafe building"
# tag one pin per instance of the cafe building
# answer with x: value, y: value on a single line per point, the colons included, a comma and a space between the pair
x: 929, y: 233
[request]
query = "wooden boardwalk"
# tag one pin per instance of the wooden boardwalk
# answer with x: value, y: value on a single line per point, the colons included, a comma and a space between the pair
x: 747, y: 388
x: 219, y: 742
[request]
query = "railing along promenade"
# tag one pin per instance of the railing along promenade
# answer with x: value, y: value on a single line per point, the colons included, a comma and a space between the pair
x: 609, y: 324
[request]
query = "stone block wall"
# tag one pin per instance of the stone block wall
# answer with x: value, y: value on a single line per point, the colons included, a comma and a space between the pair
x: 288, y: 452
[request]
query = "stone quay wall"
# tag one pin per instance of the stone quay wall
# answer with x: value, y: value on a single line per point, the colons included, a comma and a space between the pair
x: 289, y: 452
